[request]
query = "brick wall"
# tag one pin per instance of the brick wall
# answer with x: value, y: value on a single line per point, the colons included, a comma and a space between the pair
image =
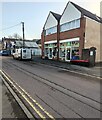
x: 51, y: 37
x: 79, y: 32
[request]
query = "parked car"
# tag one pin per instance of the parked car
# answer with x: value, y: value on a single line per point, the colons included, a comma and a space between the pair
x: 4, y: 53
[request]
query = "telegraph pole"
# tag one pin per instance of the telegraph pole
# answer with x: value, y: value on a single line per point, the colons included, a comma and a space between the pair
x: 23, y: 33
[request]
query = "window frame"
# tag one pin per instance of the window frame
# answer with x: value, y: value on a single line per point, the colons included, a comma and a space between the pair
x: 69, y: 25
x: 51, y: 30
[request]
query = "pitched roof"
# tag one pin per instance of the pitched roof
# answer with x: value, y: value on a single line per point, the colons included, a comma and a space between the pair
x: 38, y: 41
x: 87, y: 13
x: 30, y: 44
x: 57, y: 16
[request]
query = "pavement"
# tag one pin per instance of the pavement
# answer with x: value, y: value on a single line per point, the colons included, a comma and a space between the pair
x: 95, y: 71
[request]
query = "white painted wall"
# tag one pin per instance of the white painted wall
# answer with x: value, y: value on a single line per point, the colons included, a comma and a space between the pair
x: 70, y: 14
x: 51, y: 22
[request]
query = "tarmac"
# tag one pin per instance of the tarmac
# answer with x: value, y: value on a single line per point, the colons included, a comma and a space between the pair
x: 8, y: 103
x: 95, y: 71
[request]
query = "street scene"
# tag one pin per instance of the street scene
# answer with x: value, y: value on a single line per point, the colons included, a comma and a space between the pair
x: 56, y: 72
x: 62, y: 94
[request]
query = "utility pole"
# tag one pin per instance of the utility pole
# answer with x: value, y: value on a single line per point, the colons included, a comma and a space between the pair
x: 23, y: 33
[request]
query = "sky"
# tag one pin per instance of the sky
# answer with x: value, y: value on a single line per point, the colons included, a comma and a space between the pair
x: 34, y: 14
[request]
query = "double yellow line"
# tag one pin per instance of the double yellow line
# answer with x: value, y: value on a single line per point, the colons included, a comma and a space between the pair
x: 7, y: 77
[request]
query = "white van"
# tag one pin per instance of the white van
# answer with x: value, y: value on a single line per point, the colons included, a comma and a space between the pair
x: 22, y: 54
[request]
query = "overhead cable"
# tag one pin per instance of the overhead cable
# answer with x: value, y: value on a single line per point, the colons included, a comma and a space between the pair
x: 10, y: 27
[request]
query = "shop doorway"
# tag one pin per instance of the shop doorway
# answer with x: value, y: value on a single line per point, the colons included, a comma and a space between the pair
x: 68, y: 54
x: 50, y: 53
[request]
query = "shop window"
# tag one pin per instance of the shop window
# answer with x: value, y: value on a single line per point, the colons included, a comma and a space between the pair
x: 46, y: 52
x: 68, y: 52
x: 62, y: 45
x: 50, y: 52
x: 55, y: 45
x: 54, y: 52
x: 62, y: 52
x: 46, y: 45
x: 75, y: 54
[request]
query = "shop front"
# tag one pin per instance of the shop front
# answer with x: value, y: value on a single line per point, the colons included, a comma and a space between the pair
x: 50, y: 49
x: 69, y: 49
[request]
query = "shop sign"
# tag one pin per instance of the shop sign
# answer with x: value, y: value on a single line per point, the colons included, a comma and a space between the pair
x: 54, y: 45
x: 46, y: 46
x: 75, y: 44
x: 68, y: 43
x: 50, y: 45
x: 62, y: 47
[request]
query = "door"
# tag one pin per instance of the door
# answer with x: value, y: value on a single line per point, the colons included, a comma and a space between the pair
x: 68, y: 54
x: 50, y: 53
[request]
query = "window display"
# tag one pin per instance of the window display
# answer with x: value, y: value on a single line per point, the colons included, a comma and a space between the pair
x: 75, y: 53
x: 51, y: 50
x: 69, y: 50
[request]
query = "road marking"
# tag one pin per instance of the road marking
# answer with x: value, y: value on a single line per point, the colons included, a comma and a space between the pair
x: 23, y: 107
x: 8, y: 78
x: 23, y: 96
x: 33, y: 100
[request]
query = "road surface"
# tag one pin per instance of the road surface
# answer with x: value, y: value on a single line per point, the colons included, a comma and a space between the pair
x: 59, y: 93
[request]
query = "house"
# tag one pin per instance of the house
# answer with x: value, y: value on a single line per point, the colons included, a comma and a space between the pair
x: 11, y: 44
x: 65, y: 37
